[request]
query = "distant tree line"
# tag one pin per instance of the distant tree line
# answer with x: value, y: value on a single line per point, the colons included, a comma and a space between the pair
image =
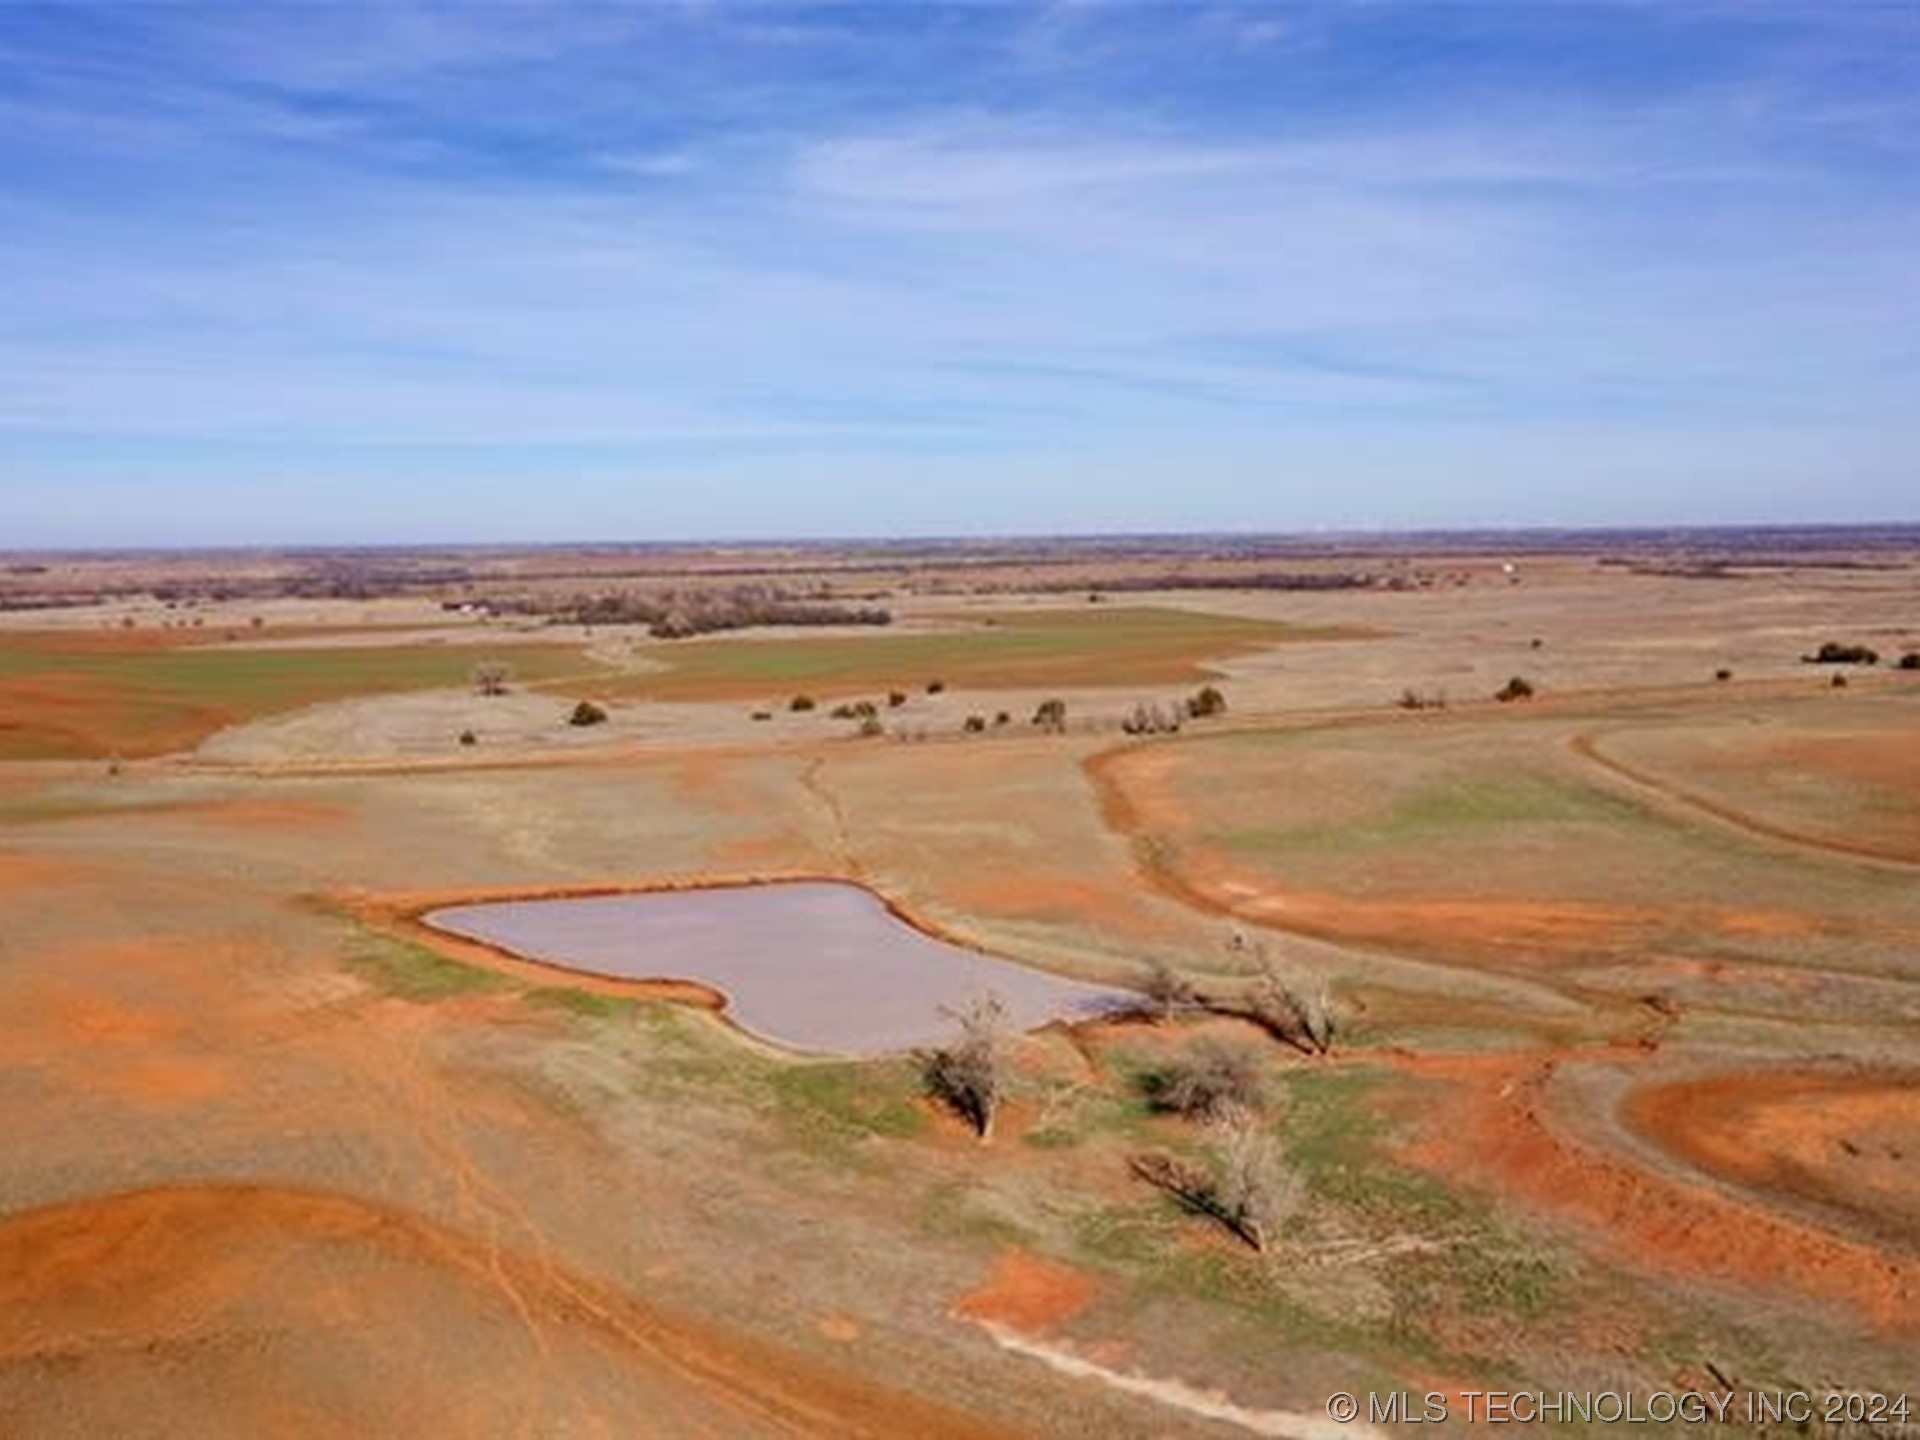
x: 1186, y: 580
x: 677, y: 614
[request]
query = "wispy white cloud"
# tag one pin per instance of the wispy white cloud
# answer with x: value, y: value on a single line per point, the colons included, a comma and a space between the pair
x: 654, y: 232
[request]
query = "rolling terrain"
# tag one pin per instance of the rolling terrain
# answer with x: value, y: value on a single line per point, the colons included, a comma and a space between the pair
x: 1624, y: 1088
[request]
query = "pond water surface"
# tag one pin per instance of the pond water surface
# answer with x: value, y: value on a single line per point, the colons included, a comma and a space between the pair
x: 811, y: 965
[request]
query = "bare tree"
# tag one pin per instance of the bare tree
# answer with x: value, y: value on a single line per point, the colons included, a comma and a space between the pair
x: 491, y: 677
x: 1246, y: 1186
x: 1297, y: 1011
x: 1254, y: 1184
x: 967, y: 1075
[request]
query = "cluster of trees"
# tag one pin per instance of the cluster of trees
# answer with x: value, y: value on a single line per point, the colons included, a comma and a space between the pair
x: 678, y: 614
x: 1183, y: 579
x: 1295, y: 1010
x: 1241, y: 1180
x: 1237, y: 1175
x: 1834, y: 652
x: 1155, y: 719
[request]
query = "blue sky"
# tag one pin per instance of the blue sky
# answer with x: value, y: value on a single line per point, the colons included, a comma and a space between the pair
x: 325, y: 272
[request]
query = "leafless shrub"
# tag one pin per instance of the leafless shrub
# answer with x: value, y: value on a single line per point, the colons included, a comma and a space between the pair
x: 1151, y: 720
x: 491, y: 677
x: 1210, y: 1080
x: 1051, y: 716
x: 966, y: 1076
x: 1246, y: 1187
x: 1167, y: 990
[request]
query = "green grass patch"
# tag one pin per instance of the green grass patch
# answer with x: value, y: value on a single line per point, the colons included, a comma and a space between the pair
x: 1455, y: 809
x: 847, y: 1100
x: 585, y: 1003
x: 413, y: 972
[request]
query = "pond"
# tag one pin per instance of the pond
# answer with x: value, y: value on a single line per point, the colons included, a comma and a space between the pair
x: 809, y: 965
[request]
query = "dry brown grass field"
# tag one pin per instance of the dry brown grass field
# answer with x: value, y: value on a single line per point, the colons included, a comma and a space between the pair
x: 1624, y: 1090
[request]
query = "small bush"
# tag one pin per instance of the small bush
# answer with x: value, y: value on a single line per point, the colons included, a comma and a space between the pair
x: 1167, y: 990
x: 1723, y: 674
x: 1910, y: 660
x: 975, y: 724
x: 1206, y: 702
x: 1051, y: 716
x: 1208, y: 1081
x: 800, y: 703
x: 1151, y: 720
x: 896, y: 698
x: 1518, y: 688
x: 934, y: 687
x: 1001, y: 717
x: 1839, y: 682
x: 763, y: 715
x: 587, y: 713
x: 491, y: 677
x: 467, y: 737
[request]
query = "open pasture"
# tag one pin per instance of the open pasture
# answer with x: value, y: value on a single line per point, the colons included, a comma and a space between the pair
x: 1837, y: 777
x: 1107, y: 645
x: 1491, y: 841
x: 79, y: 696
x: 1621, y: 1080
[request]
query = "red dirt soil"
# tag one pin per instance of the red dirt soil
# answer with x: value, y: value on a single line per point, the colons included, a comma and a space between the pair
x: 1028, y: 1293
x: 1848, y: 1142
x: 244, y: 1289
x: 1493, y: 1126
